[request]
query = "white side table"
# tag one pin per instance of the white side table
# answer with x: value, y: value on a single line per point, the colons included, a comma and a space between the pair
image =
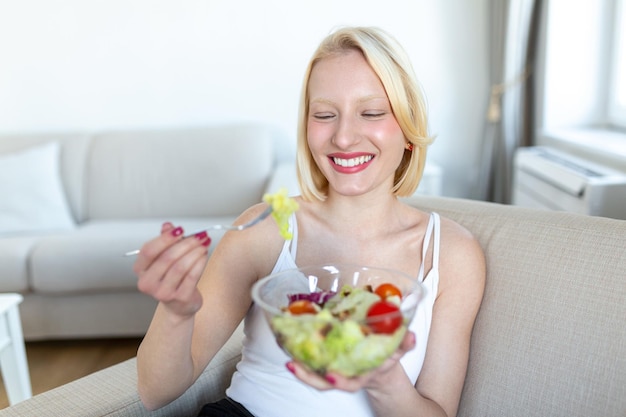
x: 13, y: 362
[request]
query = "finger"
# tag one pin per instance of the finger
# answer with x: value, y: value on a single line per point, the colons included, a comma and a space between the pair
x: 356, y: 383
x: 166, y: 227
x: 187, y: 293
x: 155, y: 279
x: 171, y: 269
x: 308, y: 377
x: 407, y: 343
x: 343, y: 383
x: 154, y: 247
x: 188, y: 286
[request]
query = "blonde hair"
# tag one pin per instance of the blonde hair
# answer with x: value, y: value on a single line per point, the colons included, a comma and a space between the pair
x: 393, y: 67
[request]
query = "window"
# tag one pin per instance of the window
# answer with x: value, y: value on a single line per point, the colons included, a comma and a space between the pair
x: 617, y: 89
x: 581, y: 97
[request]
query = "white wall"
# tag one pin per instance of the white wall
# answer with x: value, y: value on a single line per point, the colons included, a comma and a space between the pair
x: 111, y: 64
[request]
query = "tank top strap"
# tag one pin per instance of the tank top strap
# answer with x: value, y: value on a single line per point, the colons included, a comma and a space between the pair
x: 291, y: 246
x: 293, y: 229
x: 437, y: 240
x: 287, y: 256
x: 433, y: 230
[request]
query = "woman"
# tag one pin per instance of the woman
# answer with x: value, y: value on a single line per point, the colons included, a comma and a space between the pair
x: 361, y: 144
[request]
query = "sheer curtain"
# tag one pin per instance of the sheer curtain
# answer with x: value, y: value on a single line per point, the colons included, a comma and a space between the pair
x: 509, y: 124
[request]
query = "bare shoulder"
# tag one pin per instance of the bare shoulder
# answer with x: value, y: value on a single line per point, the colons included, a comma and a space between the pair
x: 462, y: 260
x: 458, y: 238
x: 260, y: 243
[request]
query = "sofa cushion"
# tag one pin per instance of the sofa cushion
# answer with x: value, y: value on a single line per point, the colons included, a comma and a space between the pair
x: 195, y: 173
x: 549, y: 337
x: 92, y: 258
x: 33, y: 194
x: 74, y: 148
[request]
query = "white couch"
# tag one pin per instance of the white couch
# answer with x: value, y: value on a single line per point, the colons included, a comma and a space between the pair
x: 117, y: 188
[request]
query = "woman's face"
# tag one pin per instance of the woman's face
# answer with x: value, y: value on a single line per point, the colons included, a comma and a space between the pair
x: 352, y: 132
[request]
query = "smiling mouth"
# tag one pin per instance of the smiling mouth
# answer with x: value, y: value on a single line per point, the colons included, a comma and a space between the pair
x: 352, y: 162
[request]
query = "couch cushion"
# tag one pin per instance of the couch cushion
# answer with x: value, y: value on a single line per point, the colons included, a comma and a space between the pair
x: 74, y: 148
x: 179, y: 172
x: 550, y: 336
x: 33, y: 193
x: 91, y: 258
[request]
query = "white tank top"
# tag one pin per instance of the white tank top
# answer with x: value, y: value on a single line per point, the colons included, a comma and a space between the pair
x: 266, y: 388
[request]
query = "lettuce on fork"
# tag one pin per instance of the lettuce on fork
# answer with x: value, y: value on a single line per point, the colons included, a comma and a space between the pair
x: 282, y: 208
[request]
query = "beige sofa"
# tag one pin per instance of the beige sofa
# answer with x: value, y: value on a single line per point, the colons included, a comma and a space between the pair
x: 550, y: 337
x: 77, y: 202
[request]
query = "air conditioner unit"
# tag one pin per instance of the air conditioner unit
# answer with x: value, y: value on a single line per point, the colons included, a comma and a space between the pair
x: 546, y: 178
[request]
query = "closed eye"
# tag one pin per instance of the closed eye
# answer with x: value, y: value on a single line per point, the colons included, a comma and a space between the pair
x: 323, y: 116
x: 373, y: 114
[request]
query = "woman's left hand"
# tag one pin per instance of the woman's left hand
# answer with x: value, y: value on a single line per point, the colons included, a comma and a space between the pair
x: 353, y: 384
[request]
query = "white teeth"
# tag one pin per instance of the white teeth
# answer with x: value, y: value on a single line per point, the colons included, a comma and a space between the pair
x: 352, y: 161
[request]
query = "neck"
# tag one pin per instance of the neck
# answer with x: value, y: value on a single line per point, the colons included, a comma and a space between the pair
x: 365, y: 214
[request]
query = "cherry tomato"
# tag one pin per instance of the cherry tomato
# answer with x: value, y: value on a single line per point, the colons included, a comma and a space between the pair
x: 302, y: 307
x: 384, y: 317
x: 387, y: 290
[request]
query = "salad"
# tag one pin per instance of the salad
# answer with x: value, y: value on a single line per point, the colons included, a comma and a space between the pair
x: 282, y: 208
x: 350, y: 332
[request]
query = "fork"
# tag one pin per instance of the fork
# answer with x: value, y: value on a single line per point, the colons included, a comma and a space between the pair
x: 251, y: 223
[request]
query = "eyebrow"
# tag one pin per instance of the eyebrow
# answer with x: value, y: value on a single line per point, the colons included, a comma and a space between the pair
x: 360, y: 100
x: 372, y: 97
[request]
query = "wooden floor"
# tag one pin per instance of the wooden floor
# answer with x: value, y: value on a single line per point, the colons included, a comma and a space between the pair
x: 54, y: 363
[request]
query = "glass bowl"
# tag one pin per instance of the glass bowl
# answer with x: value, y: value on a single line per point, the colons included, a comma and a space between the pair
x: 345, y: 333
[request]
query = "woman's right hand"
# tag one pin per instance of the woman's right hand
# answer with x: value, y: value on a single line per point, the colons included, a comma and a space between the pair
x: 169, y: 267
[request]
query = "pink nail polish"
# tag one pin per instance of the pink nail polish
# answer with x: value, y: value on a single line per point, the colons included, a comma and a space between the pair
x: 177, y: 231
x: 207, y: 241
x: 290, y: 367
x: 201, y: 235
x: 331, y: 380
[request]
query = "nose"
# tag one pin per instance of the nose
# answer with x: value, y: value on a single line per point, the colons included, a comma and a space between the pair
x: 346, y: 134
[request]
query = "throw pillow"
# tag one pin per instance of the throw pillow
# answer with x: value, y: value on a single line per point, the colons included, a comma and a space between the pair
x: 32, y: 196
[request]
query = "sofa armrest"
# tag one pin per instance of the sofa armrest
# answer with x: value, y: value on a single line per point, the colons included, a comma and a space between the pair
x: 284, y: 175
x: 112, y: 392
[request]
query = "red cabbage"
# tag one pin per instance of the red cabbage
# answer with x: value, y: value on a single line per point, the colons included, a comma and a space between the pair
x: 318, y: 297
